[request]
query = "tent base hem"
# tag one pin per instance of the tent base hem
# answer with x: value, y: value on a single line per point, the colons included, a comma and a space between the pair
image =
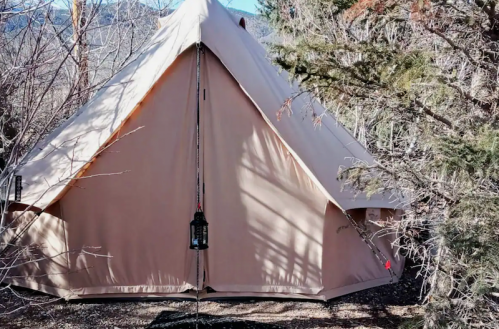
x: 77, y: 295
x: 341, y: 291
x: 29, y: 284
x: 267, y: 289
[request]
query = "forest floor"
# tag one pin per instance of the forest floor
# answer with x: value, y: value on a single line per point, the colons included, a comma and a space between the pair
x: 389, y: 306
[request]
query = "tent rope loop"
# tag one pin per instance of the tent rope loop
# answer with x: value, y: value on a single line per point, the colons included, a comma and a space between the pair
x: 374, y: 249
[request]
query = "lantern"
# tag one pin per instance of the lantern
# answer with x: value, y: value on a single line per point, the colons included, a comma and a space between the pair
x: 19, y: 188
x: 199, y: 232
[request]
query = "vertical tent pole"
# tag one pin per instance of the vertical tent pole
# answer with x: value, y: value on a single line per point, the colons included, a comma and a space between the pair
x: 198, y: 78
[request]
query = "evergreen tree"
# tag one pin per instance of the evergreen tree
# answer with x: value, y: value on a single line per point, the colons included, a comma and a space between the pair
x: 416, y: 82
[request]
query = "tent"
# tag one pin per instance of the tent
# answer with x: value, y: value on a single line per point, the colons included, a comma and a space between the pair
x: 108, y: 196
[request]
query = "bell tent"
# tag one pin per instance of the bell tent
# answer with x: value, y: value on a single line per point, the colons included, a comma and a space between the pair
x: 109, y: 195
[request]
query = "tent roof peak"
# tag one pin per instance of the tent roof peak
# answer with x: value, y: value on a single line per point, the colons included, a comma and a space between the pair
x: 321, y: 151
x: 200, y: 12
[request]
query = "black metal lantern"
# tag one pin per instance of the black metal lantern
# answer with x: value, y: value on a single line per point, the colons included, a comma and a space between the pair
x: 199, y: 232
x: 19, y: 188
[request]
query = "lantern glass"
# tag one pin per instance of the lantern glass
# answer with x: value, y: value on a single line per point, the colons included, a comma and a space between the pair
x: 205, y: 235
x: 199, y: 232
x: 194, y: 241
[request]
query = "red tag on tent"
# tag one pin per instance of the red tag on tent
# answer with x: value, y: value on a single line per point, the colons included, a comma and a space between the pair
x: 388, y: 265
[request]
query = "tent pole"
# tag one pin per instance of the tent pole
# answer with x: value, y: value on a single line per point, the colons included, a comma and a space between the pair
x: 198, y: 59
x: 198, y: 78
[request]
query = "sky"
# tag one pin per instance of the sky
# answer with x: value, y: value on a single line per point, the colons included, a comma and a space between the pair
x: 246, y: 5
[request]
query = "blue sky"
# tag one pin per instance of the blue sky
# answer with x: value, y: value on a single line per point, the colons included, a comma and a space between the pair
x: 246, y: 5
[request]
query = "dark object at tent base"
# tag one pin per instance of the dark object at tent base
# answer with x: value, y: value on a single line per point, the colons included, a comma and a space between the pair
x: 174, y: 320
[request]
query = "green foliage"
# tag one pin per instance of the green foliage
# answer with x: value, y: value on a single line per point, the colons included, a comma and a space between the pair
x: 414, y: 323
x: 405, y: 69
x: 476, y: 156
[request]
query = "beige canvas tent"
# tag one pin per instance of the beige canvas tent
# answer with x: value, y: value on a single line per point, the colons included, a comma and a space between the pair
x: 112, y: 191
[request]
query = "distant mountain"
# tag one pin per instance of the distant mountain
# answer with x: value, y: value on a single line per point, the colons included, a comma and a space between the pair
x: 112, y: 12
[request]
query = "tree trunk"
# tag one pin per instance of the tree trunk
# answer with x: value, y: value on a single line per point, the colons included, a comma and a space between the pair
x: 80, y: 49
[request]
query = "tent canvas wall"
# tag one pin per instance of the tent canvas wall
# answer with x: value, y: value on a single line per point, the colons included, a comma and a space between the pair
x: 118, y: 179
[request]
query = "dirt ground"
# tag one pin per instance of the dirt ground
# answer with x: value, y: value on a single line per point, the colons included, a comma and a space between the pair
x: 382, y: 307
